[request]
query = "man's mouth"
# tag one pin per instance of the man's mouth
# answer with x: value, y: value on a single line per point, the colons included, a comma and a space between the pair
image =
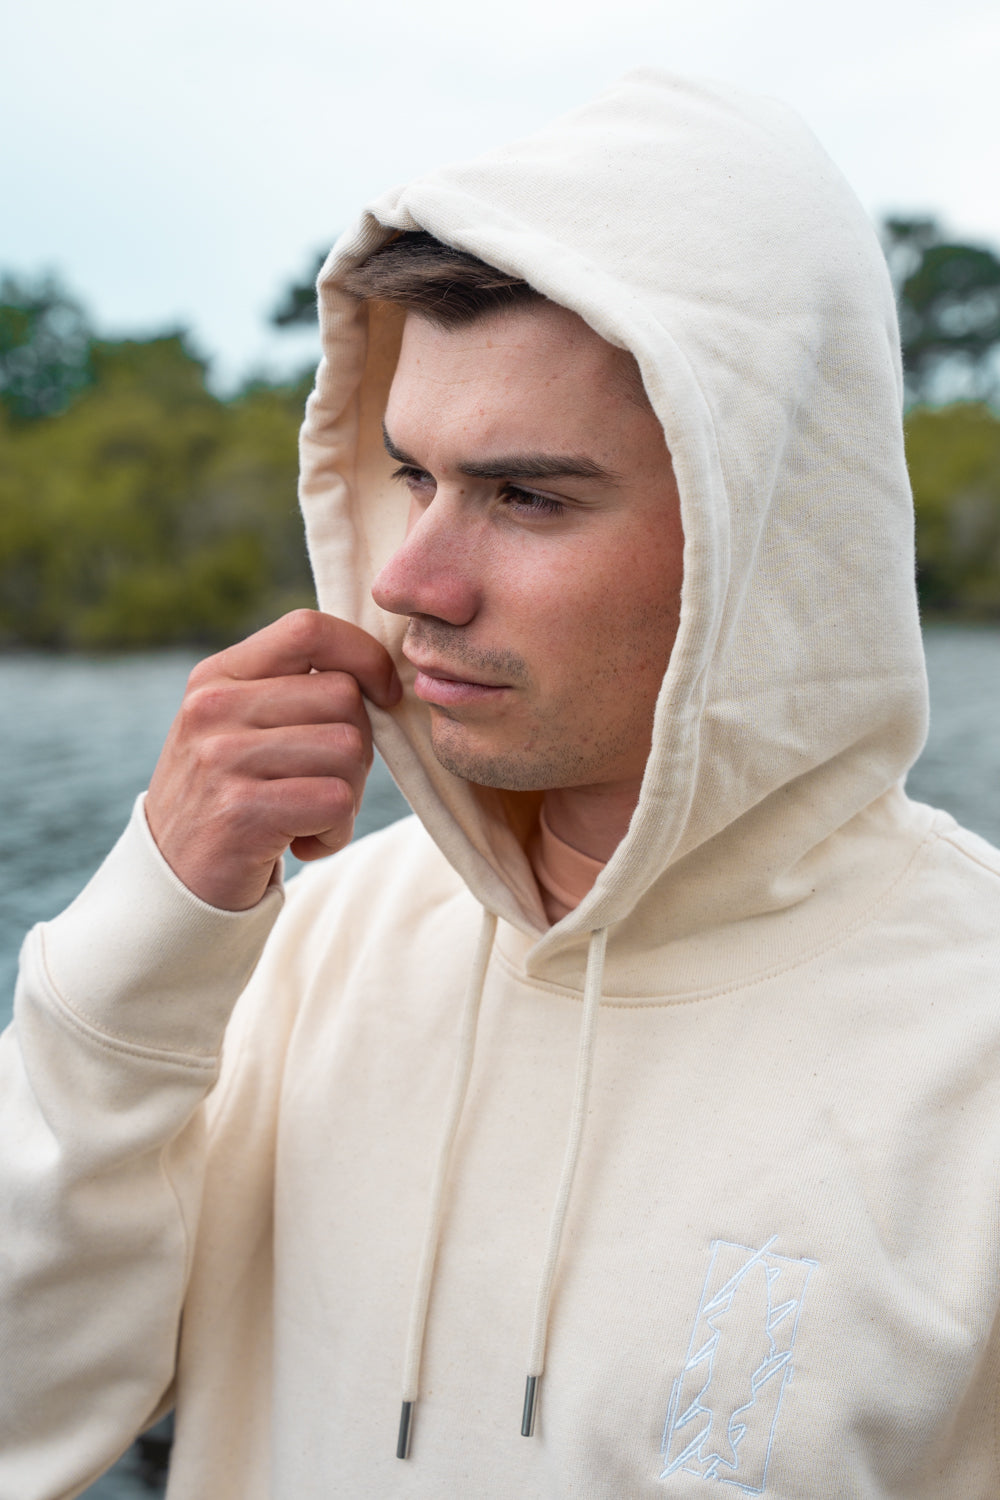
x: 449, y: 686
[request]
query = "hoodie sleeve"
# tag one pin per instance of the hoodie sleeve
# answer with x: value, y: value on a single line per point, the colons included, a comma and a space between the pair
x: 119, y: 1015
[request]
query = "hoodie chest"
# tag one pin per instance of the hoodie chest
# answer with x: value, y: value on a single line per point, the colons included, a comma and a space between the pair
x: 763, y: 1258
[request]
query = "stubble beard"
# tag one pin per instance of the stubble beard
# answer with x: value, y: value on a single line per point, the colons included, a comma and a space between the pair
x: 546, y: 760
x: 515, y: 770
x: 509, y: 771
x: 543, y: 765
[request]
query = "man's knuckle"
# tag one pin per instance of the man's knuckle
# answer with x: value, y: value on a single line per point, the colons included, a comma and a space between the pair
x: 350, y: 740
x: 345, y: 695
x: 302, y: 628
x: 204, y: 705
x: 217, y: 754
x: 339, y: 799
x: 202, y: 672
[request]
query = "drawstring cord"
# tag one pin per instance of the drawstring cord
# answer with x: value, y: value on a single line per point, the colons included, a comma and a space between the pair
x: 584, y: 1072
x: 456, y: 1104
x: 432, y: 1234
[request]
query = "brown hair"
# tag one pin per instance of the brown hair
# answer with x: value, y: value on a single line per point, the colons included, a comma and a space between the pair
x: 452, y: 288
x: 449, y: 287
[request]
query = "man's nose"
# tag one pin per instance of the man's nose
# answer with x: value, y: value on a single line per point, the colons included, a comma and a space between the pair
x: 432, y: 573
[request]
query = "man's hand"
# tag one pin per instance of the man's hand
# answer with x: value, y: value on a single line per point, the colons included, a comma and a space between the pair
x: 271, y: 748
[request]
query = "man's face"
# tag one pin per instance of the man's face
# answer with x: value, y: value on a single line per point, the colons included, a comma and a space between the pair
x: 542, y: 564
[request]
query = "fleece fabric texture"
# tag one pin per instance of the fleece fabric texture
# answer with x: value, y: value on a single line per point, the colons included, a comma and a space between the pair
x: 780, y: 1270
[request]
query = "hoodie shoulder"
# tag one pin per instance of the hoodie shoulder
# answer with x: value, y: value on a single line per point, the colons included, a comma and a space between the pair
x: 980, y: 856
x: 945, y: 915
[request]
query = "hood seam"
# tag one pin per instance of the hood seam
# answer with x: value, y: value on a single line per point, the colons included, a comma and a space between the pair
x: 692, y: 997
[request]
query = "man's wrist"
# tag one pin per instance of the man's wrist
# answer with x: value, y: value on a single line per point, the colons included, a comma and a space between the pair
x: 144, y: 960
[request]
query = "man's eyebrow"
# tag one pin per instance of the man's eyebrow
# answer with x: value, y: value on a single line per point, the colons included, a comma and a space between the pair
x: 520, y: 466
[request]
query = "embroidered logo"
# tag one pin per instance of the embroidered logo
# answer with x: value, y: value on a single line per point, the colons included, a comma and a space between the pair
x: 724, y: 1403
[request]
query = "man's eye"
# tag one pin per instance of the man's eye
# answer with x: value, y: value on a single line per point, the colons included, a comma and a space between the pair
x: 414, y: 478
x: 529, y: 501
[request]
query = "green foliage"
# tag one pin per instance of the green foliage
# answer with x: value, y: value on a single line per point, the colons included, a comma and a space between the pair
x: 954, y: 458
x: 138, y: 509
x: 44, y: 348
x: 297, y: 309
x: 150, y: 512
x: 949, y: 311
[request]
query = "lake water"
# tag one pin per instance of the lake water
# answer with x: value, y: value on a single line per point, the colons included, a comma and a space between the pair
x: 79, y: 738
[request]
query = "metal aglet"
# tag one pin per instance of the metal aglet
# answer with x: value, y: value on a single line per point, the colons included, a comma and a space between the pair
x: 528, y: 1416
x: 405, y: 1423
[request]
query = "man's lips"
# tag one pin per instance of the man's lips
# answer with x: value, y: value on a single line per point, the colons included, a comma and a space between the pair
x: 445, y: 686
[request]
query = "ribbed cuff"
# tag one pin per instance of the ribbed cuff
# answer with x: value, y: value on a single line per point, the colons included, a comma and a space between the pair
x: 145, y: 961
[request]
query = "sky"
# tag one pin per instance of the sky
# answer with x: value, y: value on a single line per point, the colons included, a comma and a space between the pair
x: 178, y: 164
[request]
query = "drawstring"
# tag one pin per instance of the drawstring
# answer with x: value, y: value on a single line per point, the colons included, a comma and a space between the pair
x: 425, y: 1273
x: 584, y: 1071
x: 432, y: 1234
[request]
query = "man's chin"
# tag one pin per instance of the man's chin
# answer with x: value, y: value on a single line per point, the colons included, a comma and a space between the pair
x: 501, y: 772
x: 507, y: 771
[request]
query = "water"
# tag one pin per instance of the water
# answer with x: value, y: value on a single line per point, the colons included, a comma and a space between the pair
x: 960, y: 767
x: 78, y: 741
x: 79, y: 738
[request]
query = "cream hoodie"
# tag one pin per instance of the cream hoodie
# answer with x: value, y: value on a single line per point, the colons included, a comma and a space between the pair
x: 779, y: 1264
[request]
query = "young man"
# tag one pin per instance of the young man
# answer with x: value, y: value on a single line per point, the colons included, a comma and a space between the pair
x: 655, y: 1061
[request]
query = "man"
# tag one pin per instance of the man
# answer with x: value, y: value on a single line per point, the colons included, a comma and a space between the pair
x: 651, y: 1073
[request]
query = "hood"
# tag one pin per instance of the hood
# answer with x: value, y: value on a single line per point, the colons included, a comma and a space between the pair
x: 709, y: 233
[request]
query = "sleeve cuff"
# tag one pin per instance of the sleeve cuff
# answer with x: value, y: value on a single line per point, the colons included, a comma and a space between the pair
x: 143, y: 960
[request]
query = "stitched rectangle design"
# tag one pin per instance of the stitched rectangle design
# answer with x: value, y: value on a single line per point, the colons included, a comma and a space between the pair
x: 724, y: 1404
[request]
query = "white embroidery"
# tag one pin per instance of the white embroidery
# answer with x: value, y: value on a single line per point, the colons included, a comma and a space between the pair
x: 724, y: 1404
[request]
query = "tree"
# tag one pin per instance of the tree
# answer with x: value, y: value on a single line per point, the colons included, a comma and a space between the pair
x: 954, y: 459
x: 297, y: 309
x: 949, y: 312
x: 150, y: 512
x: 44, y: 348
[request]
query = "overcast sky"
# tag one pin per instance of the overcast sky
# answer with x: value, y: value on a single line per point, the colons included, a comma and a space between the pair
x: 179, y: 163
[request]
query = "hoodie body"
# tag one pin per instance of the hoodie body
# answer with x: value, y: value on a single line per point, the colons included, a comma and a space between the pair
x: 779, y: 1268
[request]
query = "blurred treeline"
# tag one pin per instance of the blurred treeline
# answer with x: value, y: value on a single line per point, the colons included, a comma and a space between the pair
x: 138, y: 508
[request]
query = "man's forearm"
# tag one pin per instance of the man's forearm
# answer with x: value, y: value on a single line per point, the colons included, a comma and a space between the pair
x: 121, y: 1006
